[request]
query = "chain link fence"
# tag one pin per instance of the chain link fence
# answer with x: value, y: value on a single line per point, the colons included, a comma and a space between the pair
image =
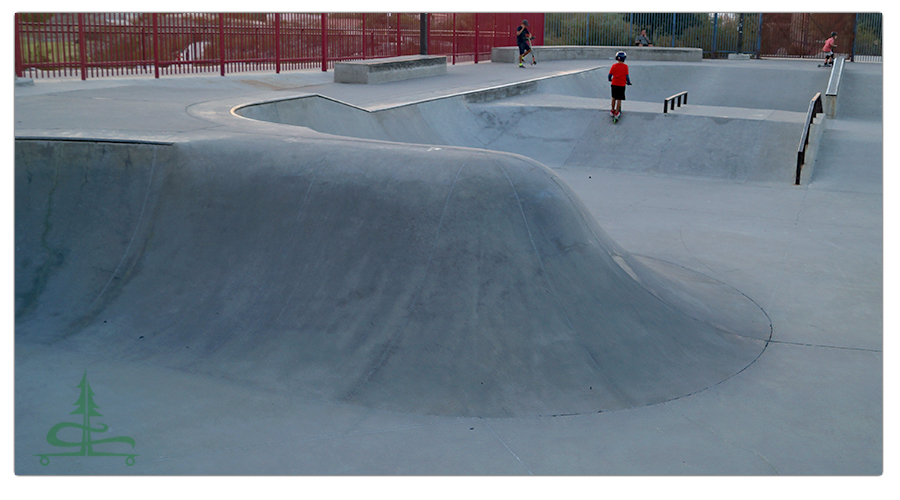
x: 797, y: 35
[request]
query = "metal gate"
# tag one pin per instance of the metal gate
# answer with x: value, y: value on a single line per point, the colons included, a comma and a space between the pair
x: 803, y: 35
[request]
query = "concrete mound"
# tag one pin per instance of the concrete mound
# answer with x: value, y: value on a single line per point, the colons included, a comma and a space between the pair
x: 421, y: 279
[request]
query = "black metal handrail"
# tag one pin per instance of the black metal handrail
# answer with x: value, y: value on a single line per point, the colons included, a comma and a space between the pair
x: 815, y: 107
x: 673, y: 99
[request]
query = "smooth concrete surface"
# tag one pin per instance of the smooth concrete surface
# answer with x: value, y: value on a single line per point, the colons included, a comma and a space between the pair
x: 599, y: 53
x: 834, y: 85
x: 816, y: 130
x: 255, y: 298
x: 24, y: 82
x: 389, y: 69
x: 561, y: 126
x: 430, y: 282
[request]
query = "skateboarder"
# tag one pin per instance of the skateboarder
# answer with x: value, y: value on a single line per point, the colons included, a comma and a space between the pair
x: 522, y: 38
x: 618, y: 77
x: 828, y: 49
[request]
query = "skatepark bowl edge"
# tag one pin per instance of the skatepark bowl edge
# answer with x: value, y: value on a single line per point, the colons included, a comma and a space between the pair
x: 476, y: 273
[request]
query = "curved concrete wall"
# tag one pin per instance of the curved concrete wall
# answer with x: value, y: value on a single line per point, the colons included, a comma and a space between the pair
x: 739, y: 144
x: 421, y: 279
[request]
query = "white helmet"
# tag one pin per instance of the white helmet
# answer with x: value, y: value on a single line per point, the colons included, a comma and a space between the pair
x: 620, y: 56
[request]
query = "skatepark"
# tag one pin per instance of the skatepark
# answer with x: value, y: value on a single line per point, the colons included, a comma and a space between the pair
x: 476, y: 273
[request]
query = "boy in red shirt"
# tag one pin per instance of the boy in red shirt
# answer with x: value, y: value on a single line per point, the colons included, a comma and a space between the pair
x: 618, y: 77
x: 828, y: 49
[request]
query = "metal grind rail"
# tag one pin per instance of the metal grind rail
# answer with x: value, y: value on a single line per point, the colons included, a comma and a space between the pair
x: 673, y: 99
x: 815, y: 107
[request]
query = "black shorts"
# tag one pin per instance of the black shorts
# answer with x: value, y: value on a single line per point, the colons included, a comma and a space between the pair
x: 523, y: 47
x: 618, y: 92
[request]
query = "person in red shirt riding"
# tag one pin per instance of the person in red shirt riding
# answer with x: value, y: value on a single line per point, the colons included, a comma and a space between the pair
x: 828, y: 49
x: 618, y: 77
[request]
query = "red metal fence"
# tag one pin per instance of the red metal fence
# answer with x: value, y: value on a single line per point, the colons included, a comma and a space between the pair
x: 803, y: 35
x: 112, y: 44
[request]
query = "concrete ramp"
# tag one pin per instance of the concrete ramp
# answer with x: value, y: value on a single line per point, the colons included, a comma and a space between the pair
x: 560, y: 130
x: 420, y: 279
x: 702, y: 141
x: 725, y: 132
x: 81, y: 226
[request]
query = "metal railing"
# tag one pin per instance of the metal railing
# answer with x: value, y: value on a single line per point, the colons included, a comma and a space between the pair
x: 94, y: 45
x: 673, y: 99
x: 815, y: 107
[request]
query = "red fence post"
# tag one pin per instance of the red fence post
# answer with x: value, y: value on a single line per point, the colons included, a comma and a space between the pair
x: 427, y: 34
x: 82, y: 55
x: 277, y: 43
x: 155, y: 42
x: 324, y: 42
x: 476, y: 38
x: 19, y: 72
x: 222, y: 44
x: 454, y: 39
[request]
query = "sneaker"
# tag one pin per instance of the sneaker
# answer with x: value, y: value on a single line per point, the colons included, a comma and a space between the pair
x: 521, y: 65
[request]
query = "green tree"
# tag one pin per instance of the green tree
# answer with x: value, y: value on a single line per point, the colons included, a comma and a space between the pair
x: 87, y: 408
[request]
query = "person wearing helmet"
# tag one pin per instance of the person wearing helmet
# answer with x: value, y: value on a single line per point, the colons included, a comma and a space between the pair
x: 523, y: 37
x: 828, y: 49
x: 618, y: 78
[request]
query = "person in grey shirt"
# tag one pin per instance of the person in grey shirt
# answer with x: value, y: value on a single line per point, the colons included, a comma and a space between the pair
x: 643, y: 40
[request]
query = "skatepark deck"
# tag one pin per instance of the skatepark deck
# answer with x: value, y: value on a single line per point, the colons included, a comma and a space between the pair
x: 278, y: 274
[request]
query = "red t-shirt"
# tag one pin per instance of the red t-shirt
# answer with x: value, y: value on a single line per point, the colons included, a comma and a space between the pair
x: 619, y: 72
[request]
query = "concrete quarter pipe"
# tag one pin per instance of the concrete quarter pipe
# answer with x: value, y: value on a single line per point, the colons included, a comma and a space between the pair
x: 440, y: 281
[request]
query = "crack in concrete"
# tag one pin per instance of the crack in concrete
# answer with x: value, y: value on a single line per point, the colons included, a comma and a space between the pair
x: 824, y: 346
x: 530, y: 473
x: 723, y: 438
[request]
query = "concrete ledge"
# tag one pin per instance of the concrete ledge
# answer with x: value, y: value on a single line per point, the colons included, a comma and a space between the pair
x: 812, y: 148
x: 389, y: 69
x: 831, y: 93
x: 562, y: 52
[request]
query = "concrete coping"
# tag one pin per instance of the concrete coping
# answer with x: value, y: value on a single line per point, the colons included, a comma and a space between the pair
x: 562, y: 52
x: 389, y: 69
x: 836, y: 72
x: 831, y: 92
